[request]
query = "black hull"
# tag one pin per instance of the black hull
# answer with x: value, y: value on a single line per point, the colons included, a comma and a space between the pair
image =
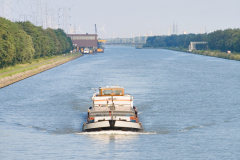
x: 113, y: 129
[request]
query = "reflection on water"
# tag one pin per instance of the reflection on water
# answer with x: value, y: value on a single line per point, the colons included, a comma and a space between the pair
x: 119, y: 136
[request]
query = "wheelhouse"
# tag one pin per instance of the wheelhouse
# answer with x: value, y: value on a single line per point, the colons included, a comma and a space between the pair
x: 111, y: 91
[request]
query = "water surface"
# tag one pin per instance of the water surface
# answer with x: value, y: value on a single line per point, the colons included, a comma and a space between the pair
x: 188, y: 104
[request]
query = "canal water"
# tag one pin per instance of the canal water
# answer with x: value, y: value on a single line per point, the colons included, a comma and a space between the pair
x: 188, y: 104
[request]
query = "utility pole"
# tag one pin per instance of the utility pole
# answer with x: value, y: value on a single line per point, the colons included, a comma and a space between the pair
x: 58, y: 24
x: 1, y: 9
x: 52, y: 18
x: 33, y: 14
x: 34, y: 18
x: 49, y: 17
x: 46, y: 18
x: 8, y: 10
x: 39, y: 21
x: 63, y: 15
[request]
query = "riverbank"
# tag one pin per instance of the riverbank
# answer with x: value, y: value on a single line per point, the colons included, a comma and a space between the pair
x: 218, y: 54
x: 212, y: 53
x: 15, y: 74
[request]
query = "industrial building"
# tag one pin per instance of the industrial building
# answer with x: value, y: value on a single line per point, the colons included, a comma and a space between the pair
x: 84, y: 41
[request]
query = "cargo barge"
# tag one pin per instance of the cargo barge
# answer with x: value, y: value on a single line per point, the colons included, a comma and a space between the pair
x: 112, y: 110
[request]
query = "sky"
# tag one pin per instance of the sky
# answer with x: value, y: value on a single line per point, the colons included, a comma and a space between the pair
x: 128, y: 18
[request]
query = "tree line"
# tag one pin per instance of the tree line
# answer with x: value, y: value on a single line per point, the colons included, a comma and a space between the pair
x: 21, y: 42
x: 222, y: 40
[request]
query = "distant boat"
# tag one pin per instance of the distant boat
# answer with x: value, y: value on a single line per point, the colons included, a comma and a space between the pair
x: 138, y: 46
x: 86, y: 50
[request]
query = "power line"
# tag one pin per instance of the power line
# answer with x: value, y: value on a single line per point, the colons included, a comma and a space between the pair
x: 26, y: 6
x: 15, y: 5
x: 19, y: 6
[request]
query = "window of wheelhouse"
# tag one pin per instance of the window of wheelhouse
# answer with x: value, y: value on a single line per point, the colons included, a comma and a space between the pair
x: 108, y: 92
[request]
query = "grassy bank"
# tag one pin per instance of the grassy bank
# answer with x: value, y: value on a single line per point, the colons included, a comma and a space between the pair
x: 16, y: 75
x: 11, y: 70
x: 212, y: 53
x: 218, y: 54
x: 35, y: 61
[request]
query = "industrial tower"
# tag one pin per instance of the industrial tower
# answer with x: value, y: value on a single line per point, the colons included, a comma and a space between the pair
x: 169, y: 31
x: 173, y: 28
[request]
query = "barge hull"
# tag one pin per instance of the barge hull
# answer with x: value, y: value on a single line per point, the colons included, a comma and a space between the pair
x: 112, y: 125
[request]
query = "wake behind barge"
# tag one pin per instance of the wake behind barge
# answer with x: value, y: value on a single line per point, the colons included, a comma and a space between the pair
x: 112, y: 110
